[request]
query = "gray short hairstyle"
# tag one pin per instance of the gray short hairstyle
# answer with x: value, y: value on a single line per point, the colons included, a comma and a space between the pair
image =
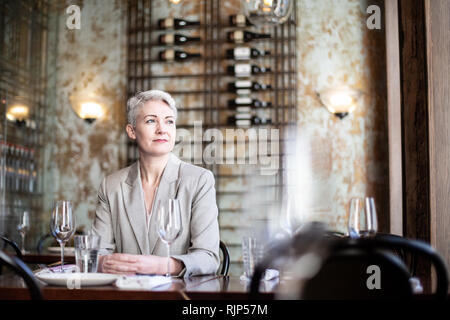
x: 137, y: 101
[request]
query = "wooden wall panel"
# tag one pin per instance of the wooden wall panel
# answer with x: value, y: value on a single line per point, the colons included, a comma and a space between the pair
x: 394, y: 118
x: 438, y: 59
x: 414, y: 88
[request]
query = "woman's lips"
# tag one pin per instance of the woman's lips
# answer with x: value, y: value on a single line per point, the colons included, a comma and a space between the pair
x: 160, y: 140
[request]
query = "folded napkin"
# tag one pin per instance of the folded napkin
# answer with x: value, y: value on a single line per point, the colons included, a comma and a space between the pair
x: 269, y: 274
x: 68, y: 268
x: 141, y: 282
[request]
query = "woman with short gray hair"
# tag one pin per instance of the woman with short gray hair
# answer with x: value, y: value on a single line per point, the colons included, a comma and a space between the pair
x: 125, y: 214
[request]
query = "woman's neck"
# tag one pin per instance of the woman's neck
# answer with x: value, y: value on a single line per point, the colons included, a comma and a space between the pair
x: 152, y: 168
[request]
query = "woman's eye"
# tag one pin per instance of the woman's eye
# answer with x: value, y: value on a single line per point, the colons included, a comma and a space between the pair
x: 170, y: 121
x: 150, y: 121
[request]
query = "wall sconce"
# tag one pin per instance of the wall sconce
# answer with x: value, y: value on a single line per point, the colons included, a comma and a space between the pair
x: 268, y: 12
x: 340, y: 101
x: 18, y: 113
x: 175, y: 1
x: 90, y: 111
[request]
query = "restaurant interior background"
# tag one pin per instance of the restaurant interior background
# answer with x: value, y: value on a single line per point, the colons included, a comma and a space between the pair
x: 324, y: 160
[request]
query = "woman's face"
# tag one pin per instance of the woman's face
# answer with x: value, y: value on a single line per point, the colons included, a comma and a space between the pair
x: 155, y: 128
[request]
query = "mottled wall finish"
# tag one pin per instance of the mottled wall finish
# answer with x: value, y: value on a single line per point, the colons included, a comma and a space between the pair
x: 91, y: 63
x: 347, y: 157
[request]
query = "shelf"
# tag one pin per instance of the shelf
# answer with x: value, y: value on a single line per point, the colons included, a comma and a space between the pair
x: 223, y: 58
x: 213, y: 41
x: 275, y: 124
x: 205, y: 75
x: 155, y: 28
x: 221, y: 92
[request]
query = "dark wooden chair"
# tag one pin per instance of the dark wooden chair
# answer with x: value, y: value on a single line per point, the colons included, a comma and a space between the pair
x: 225, y: 259
x: 21, y: 269
x: 344, y: 271
x: 41, y: 242
x: 8, y: 242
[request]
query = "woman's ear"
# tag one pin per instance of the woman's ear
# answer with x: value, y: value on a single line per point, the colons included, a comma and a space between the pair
x: 130, y: 132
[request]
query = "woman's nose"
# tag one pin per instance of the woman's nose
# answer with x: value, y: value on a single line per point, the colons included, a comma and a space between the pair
x: 161, y: 127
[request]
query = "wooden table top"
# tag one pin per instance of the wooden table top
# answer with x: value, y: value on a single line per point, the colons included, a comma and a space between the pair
x: 213, y: 287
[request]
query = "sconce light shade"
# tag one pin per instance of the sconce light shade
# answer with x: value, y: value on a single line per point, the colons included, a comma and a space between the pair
x: 340, y: 100
x: 90, y: 111
x: 18, y: 112
x: 175, y: 1
x: 268, y: 12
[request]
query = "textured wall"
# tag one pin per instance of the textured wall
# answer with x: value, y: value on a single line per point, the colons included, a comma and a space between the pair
x: 347, y: 157
x: 90, y: 63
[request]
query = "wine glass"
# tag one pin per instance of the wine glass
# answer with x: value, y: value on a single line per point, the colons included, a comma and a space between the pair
x: 62, y: 225
x: 23, y: 228
x: 169, y: 224
x: 362, y: 220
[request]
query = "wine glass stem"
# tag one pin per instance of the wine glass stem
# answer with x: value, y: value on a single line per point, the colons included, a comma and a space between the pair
x: 62, y: 255
x: 23, y: 242
x: 168, y: 261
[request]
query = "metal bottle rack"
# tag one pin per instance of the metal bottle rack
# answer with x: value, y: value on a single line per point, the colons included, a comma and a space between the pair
x: 23, y: 36
x: 203, y: 94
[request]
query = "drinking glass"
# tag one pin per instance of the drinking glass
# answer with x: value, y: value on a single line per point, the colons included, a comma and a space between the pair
x: 23, y: 228
x: 86, y: 252
x: 362, y: 220
x: 62, y: 225
x: 252, y: 254
x: 169, y: 224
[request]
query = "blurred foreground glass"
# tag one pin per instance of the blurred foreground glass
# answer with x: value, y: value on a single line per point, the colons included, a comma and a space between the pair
x: 252, y: 254
x: 62, y: 225
x: 86, y: 253
x: 23, y: 227
x: 268, y: 12
x: 169, y: 224
x: 362, y: 221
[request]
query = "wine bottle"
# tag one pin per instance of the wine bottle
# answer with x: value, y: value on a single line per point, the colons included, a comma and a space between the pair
x: 249, y: 102
x: 178, y: 55
x: 171, y: 23
x: 245, y: 87
x: 239, y: 122
x: 239, y: 20
x: 240, y: 36
x: 245, y: 53
x: 246, y: 70
x: 168, y: 39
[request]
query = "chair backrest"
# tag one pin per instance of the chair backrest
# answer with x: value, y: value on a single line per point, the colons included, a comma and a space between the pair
x: 351, y: 274
x: 409, y: 258
x: 12, y: 244
x: 225, y: 259
x: 41, y: 242
x: 415, y: 247
x: 21, y: 269
x: 372, y: 250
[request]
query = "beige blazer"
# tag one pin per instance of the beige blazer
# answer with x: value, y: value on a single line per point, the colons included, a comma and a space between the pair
x: 120, y: 217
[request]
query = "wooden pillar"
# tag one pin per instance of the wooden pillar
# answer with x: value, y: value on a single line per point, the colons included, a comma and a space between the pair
x: 414, y: 109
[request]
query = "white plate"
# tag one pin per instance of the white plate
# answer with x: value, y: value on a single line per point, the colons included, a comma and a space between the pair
x: 72, y: 280
x: 68, y: 250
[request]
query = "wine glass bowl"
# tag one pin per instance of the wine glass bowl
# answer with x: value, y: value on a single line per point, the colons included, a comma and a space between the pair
x: 62, y: 225
x: 362, y: 221
x: 169, y: 224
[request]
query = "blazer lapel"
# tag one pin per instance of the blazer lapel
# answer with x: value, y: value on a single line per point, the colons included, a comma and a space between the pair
x: 166, y: 190
x: 133, y: 198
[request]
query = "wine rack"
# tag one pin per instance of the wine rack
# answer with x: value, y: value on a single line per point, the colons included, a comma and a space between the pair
x: 23, y: 35
x: 205, y: 91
